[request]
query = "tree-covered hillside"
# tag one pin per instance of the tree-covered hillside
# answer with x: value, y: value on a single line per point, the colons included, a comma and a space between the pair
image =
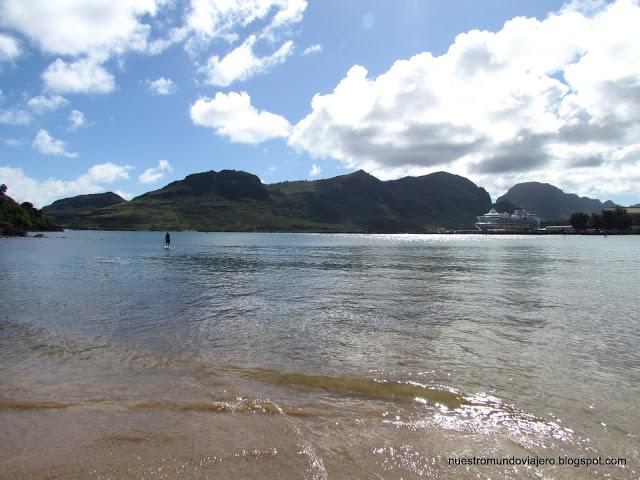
x: 16, y: 219
x: 232, y: 200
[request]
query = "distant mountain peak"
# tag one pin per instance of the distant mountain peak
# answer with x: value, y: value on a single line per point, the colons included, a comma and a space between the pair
x: 548, y: 201
x: 233, y: 184
x: 90, y: 200
x: 359, y: 173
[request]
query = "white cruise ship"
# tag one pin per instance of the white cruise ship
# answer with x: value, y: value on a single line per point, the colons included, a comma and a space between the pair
x: 518, y: 221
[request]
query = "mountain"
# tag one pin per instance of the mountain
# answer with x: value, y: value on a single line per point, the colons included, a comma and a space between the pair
x: 70, y: 209
x: 549, y: 202
x: 232, y: 200
x: 637, y: 205
x: 16, y: 219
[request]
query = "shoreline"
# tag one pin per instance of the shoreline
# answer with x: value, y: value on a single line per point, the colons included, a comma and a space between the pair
x: 35, y: 233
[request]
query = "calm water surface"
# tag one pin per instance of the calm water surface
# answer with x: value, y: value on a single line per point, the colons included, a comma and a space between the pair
x: 317, y: 356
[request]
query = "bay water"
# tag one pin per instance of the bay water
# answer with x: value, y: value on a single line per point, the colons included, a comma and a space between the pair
x: 247, y: 355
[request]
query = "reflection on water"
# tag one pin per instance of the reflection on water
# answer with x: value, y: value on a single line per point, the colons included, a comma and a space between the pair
x: 316, y: 356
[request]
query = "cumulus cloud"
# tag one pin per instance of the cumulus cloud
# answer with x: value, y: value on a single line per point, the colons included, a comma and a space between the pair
x: 242, y: 63
x: 79, y: 27
x: 9, y: 48
x: 527, y: 102
x: 86, y: 34
x: 47, y: 145
x: 152, y: 175
x: 232, y: 115
x: 107, y: 173
x: 46, y: 103
x: 315, y: 170
x: 42, y: 192
x: 77, y: 120
x: 317, y: 48
x: 88, y: 31
x: 161, y: 86
x: 15, y: 117
x: 85, y: 75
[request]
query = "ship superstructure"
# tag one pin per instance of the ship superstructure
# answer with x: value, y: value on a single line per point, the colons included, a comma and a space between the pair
x: 518, y: 221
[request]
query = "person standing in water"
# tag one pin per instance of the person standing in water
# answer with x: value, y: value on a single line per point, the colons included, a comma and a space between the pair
x: 167, y: 240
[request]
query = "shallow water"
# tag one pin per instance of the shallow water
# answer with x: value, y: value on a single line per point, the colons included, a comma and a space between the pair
x: 317, y: 356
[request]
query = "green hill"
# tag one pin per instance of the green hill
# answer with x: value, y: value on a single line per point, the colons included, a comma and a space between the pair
x: 16, y: 219
x: 74, y: 208
x: 232, y: 200
x: 548, y: 201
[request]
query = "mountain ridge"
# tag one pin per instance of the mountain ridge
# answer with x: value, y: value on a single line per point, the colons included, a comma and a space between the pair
x: 231, y: 200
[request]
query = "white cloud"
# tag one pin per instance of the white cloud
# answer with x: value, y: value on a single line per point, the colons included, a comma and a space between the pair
x: 12, y: 142
x: 241, y: 63
x: 77, y: 120
x: 152, y: 175
x: 88, y: 33
x: 315, y: 170
x: 79, y: 27
x: 107, y: 173
x: 161, y: 86
x: 85, y: 75
x: 549, y: 100
x: 9, y: 48
x: 125, y: 195
x: 317, y: 48
x: 23, y: 188
x: 47, y: 145
x: 290, y: 11
x: 15, y: 116
x: 45, y: 104
x: 210, y: 19
x: 233, y: 116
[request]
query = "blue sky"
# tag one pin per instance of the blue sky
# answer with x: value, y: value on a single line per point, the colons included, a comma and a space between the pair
x: 128, y: 95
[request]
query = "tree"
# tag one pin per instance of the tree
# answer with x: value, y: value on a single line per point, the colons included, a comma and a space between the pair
x: 595, y: 221
x: 616, y: 220
x: 579, y: 220
x: 3, y: 189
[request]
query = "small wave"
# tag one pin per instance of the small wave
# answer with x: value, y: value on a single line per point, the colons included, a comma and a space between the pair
x: 241, y: 405
x: 9, y: 404
x: 362, y: 386
x: 446, y: 408
x: 237, y: 405
x: 484, y: 414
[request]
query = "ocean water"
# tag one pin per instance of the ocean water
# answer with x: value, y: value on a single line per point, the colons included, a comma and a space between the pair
x: 318, y: 356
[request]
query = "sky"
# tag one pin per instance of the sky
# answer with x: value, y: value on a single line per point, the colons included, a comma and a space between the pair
x: 129, y: 95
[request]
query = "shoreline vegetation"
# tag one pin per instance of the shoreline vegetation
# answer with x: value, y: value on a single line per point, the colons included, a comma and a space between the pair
x: 16, y: 220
